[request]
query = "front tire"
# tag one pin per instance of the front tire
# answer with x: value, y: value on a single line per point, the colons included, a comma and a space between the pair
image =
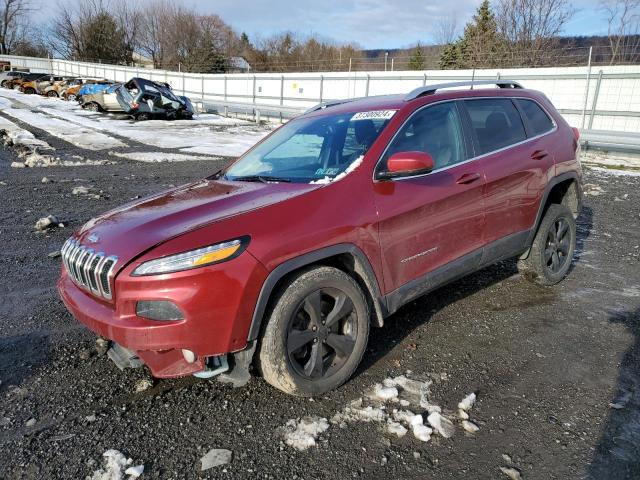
x: 316, y: 333
x: 550, y: 256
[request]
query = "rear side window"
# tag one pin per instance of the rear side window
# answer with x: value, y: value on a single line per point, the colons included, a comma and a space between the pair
x: 496, y: 122
x: 538, y: 119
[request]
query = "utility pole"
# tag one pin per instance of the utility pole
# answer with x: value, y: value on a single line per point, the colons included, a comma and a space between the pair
x: 386, y: 56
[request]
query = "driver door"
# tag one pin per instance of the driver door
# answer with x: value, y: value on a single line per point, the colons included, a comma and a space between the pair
x: 430, y: 225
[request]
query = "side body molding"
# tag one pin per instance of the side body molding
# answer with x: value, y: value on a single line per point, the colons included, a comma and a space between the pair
x: 362, y: 267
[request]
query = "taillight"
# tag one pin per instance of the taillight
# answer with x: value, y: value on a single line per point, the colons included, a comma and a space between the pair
x: 576, y: 132
x: 134, y: 105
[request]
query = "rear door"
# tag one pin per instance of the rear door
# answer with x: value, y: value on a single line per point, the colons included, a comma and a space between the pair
x: 429, y: 220
x: 515, y: 165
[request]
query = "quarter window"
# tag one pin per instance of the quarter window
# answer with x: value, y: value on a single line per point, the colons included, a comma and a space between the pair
x: 496, y: 122
x: 435, y: 130
x: 538, y: 119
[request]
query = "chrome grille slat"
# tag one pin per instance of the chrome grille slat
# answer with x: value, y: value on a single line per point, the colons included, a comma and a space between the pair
x: 90, y: 270
x: 73, y: 260
x: 85, y: 266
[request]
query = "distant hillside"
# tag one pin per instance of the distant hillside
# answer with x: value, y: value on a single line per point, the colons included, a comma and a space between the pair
x: 571, y: 51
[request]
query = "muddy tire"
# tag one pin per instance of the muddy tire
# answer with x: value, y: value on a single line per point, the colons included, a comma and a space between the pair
x: 550, y: 256
x: 52, y: 93
x: 316, y: 332
x: 29, y: 91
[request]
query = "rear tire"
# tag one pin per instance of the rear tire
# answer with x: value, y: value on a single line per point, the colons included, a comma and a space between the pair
x: 29, y: 91
x: 316, y: 333
x: 92, y: 106
x: 552, y: 250
x: 141, y: 117
x: 52, y: 93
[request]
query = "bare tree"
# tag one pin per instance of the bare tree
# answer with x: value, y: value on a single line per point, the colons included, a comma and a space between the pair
x: 532, y: 27
x: 623, y: 21
x: 156, y: 24
x: 446, y: 29
x: 95, y: 30
x: 13, y: 15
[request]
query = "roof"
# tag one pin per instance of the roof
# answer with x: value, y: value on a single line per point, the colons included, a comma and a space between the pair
x: 398, y: 101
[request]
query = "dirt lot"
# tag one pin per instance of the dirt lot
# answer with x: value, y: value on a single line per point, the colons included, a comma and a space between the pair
x: 557, y: 370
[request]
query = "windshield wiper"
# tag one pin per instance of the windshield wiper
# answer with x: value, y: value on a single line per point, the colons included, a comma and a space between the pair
x: 261, y: 178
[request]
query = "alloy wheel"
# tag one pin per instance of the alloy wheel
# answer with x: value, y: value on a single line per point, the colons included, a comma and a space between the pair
x: 322, y: 333
x: 558, y: 245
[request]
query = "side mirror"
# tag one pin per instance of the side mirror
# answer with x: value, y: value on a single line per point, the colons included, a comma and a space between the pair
x: 404, y: 164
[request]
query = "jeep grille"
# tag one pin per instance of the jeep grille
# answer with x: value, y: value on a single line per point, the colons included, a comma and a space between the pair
x: 87, y: 268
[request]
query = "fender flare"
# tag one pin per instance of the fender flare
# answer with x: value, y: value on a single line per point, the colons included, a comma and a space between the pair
x: 362, y: 267
x: 543, y: 202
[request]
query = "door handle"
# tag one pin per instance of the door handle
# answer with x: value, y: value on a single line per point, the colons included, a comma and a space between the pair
x: 468, y: 178
x: 539, y: 154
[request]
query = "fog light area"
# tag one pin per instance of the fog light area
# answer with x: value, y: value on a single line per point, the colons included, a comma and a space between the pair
x: 162, y: 310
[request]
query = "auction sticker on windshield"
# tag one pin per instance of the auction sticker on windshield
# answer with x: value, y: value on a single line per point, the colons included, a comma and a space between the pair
x: 374, y: 114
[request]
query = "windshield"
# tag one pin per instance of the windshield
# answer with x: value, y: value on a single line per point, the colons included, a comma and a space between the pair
x: 312, y: 149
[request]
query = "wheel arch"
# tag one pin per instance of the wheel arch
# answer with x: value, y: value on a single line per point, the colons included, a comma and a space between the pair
x: 564, y: 189
x: 346, y: 257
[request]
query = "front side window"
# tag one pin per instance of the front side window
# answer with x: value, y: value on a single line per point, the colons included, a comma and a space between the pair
x: 435, y: 130
x: 496, y: 122
x: 538, y: 119
x: 315, y: 149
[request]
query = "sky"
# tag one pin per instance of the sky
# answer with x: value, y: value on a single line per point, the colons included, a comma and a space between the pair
x: 368, y: 23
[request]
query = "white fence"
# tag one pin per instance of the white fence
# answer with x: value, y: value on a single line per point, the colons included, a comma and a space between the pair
x: 596, y: 98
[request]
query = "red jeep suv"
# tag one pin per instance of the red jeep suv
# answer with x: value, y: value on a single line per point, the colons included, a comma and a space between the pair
x: 286, y: 257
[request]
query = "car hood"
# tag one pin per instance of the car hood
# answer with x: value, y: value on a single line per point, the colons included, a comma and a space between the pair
x: 134, y: 228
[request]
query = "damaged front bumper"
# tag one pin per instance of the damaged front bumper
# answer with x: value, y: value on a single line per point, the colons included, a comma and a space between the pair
x: 198, y: 344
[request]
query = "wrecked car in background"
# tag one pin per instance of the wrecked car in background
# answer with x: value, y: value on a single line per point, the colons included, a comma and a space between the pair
x: 7, y: 76
x: 73, y: 92
x: 16, y: 81
x: 57, y: 87
x: 144, y: 99
x: 102, y: 100
x: 38, y: 85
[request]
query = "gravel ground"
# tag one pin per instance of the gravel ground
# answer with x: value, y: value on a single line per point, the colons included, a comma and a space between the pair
x: 556, y: 370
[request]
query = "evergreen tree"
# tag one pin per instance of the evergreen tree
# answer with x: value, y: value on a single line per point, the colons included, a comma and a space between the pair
x: 481, y: 45
x: 416, y: 62
x: 104, y: 41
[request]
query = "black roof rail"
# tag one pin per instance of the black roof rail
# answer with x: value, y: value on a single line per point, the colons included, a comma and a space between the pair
x: 431, y: 89
x: 329, y: 103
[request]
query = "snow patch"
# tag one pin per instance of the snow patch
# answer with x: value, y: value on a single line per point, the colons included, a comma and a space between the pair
x: 619, y: 172
x: 470, y: 426
x: 441, y: 424
x: 302, y: 434
x: 115, y: 466
x: 467, y: 402
x: 156, y: 157
x: 326, y: 180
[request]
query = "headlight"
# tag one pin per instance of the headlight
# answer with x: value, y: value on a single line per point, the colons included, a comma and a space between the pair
x: 219, y: 252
